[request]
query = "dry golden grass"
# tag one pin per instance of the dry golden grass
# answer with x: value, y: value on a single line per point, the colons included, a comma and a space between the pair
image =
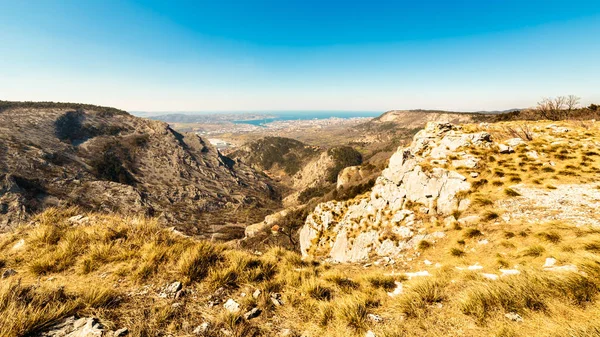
x: 114, y: 268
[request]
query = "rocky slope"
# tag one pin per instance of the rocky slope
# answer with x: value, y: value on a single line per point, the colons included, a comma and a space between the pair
x: 501, y: 167
x: 418, y: 118
x: 385, y: 221
x: 105, y: 159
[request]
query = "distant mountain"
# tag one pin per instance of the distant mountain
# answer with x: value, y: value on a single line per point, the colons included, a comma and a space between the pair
x: 55, y: 154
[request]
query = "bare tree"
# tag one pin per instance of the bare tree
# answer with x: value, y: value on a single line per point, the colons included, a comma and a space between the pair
x: 557, y: 108
x: 572, y: 102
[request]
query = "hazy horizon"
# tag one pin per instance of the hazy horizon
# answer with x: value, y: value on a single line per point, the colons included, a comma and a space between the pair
x: 152, y: 56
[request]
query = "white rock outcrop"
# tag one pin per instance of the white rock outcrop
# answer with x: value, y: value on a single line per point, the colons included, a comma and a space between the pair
x: 416, y: 183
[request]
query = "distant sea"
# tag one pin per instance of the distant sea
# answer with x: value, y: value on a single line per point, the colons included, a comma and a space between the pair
x: 274, y: 116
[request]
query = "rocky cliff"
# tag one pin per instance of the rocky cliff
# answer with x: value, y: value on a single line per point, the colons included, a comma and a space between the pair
x: 419, y: 185
x: 107, y: 160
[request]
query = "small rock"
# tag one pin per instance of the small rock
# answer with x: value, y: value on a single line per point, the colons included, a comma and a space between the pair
x: 121, y: 332
x: 396, y: 291
x: 490, y: 276
x: 513, y: 316
x: 201, y: 328
x: 504, y: 149
x: 370, y: 334
x: 375, y: 318
x: 286, y: 333
x: 532, y: 154
x: 475, y: 267
x: 256, y: 293
x: 170, y: 290
x: 276, y: 299
x: 20, y: 244
x: 232, y: 306
x: 566, y: 268
x: 550, y: 262
x: 8, y: 273
x: 507, y: 272
x: 255, y: 312
x: 514, y: 142
x: 474, y: 174
x: 483, y: 242
x: 417, y: 274
x: 427, y: 263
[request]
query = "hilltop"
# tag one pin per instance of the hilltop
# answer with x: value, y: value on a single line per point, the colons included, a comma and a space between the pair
x: 104, y: 159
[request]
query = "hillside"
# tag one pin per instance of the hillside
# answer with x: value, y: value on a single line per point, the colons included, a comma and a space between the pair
x: 104, y: 159
x: 480, y: 230
x: 276, y: 154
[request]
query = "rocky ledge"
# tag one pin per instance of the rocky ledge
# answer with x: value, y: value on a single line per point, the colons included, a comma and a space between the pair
x: 417, y: 187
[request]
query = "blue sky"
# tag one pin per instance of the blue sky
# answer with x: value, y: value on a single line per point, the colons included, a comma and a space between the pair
x: 294, y: 55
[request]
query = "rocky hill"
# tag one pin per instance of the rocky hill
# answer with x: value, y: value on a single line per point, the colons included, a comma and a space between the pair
x: 54, y: 155
x: 446, y: 177
x: 418, y: 118
x: 277, y: 155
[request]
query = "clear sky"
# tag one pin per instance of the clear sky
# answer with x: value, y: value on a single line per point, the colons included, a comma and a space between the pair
x: 293, y: 55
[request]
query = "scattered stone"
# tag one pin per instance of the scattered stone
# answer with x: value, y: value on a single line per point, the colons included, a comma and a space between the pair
x: 375, y: 318
x: 170, y: 290
x: 396, y: 291
x: 417, y: 274
x: 71, y: 327
x: 276, y: 299
x: 514, y: 142
x: 483, y: 242
x: 78, y: 220
x: 427, y: 263
x: 490, y: 276
x: 19, y: 245
x: 550, y: 262
x: 532, y: 155
x: 505, y: 149
x: 513, y: 316
x: 202, y: 328
x: 8, y: 273
x: 566, y: 268
x: 507, y: 272
x: 232, y: 306
x: 286, y: 333
x: 255, y: 312
x: 475, y: 267
x: 256, y: 293
x: 370, y: 334
x: 121, y: 332
x: 474, y: 174
x: 469, y: 220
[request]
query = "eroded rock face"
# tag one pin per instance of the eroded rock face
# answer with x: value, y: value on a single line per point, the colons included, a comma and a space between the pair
x: 417, y: 183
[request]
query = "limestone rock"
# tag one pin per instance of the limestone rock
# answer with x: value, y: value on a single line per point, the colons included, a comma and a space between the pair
x: 232, y: 306
x: 504, y: 149
x: 253, y: 313
x: 513, y: 316
x: 72, y: 327
x: 514, y: 142
x: 384, y: 223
